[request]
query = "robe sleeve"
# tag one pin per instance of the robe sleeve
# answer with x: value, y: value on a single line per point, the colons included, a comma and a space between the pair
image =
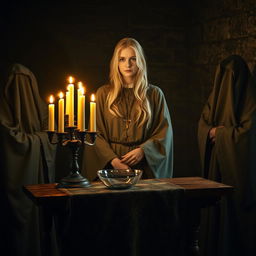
x: 48, y: 151
x: 102, y: 146
x: 158, y: 147
x: 203, y: 130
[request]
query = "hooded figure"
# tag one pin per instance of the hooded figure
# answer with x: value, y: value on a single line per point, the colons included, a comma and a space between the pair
x: 227, y: 144
x: 26, y: 157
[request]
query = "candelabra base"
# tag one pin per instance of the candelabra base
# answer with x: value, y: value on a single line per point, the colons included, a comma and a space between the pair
x: 74, y: 180
x: 74, y: 139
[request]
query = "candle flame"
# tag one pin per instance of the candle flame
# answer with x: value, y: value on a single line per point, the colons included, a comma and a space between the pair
x: 92, y: 97
x: 80, y: 85
x: 51, y: 99
x: 82, y: 90
x: 61, y: 95
x: 71, y: 79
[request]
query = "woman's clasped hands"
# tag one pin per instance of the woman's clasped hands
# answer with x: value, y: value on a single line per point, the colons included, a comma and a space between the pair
x: 129, y: 159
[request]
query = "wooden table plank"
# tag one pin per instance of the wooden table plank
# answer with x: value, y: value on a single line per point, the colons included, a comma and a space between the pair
x: 199, y: 187
x: 194, y: 187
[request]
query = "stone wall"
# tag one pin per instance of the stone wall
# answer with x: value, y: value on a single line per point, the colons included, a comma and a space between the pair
x: 217, y: 29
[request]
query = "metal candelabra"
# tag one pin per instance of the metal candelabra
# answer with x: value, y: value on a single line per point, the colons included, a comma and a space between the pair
x: 74, y: 139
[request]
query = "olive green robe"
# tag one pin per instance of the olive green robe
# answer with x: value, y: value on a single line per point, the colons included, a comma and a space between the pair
x: 116, y: 137
x: 26, y: 157
x: 228, y: 228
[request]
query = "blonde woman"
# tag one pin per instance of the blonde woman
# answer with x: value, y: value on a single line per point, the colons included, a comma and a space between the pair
x: 133, y: 119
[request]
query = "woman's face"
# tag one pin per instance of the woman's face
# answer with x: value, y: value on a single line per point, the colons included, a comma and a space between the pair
x: 127, y: 64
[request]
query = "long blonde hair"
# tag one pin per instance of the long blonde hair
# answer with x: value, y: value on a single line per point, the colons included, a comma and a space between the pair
x: 140, y: 86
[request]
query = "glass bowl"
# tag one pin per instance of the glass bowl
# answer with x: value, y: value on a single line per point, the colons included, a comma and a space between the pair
x: 119, y: 179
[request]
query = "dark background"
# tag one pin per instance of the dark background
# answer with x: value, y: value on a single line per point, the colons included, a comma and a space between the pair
x: 183, y: 42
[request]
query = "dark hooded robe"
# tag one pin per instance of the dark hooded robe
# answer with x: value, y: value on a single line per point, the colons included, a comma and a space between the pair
x: 115, y: 138
x: 26, y: 157
x: 229, y: 228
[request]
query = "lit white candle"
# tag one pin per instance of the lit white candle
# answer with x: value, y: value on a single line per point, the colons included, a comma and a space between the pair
x: 51, y: 114
x: 79, y: 93
x: 67, y: 102
x: 71, y: 101
x: 61, y: 113
x: 82, y: 110
x: 93, y: 114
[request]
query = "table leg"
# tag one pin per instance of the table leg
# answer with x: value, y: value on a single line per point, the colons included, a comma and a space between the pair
x: 193, y: 231
x: 48, y: 236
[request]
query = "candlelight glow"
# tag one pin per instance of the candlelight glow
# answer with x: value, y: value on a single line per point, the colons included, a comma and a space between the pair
x: 51, y: 99
x: 51, y: 114
x: 61, y: 113
x: 93, y: 114
x: 92, y: 97
x: 71, y: 79
x: 80, y: 85
x: 61, y: 95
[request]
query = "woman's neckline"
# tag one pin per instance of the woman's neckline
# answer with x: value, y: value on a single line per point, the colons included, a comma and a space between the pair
x: 128, y: 86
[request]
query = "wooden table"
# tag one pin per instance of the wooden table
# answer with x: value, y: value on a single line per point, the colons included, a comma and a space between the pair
x: 199, y: 193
